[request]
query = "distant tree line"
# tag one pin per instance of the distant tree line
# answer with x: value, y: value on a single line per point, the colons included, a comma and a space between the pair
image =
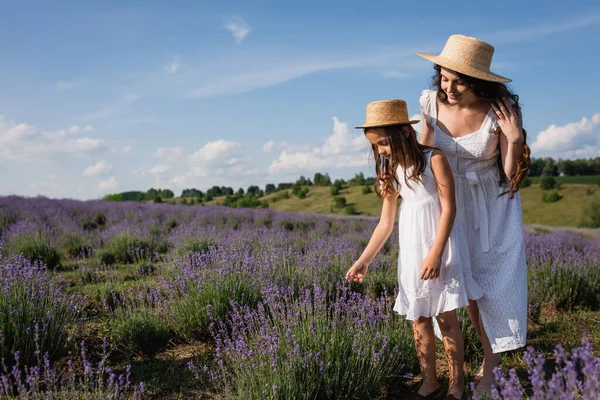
x: 250, y: 197
x: 550, y: 167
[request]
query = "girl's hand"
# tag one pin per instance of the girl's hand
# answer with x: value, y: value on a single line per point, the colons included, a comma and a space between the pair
x: 509, y: 120
x: 430, y: 269
x: 357, y: 272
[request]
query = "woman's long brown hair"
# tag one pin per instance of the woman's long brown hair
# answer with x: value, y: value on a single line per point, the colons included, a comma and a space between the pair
x: 407, y: 152
x: 492, y: 91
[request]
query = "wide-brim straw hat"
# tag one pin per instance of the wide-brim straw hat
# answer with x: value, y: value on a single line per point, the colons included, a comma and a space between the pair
x: 469, y: 56
x: 386, y: 113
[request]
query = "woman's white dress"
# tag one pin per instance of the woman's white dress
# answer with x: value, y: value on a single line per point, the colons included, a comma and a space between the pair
x: 493, y: 225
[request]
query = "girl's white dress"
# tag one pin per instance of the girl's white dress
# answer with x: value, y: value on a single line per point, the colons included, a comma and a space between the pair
x: 418, y: 222
x: 493, y: 224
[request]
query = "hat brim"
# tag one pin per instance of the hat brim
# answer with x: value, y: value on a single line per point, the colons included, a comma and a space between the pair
x: 464, y: 69
x: 412, y: 121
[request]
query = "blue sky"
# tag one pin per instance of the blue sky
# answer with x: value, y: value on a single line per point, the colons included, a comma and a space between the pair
x: 107, y: 96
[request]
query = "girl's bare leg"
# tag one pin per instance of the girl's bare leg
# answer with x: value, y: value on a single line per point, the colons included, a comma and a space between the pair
x: 455, y: 351
x: 425, y: 345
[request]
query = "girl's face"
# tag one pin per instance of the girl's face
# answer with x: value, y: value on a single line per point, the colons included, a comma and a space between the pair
x: 379, y: 139
x: 454, y: 87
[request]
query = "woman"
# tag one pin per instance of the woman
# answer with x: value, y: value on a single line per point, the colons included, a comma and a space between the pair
x: 476, y: 121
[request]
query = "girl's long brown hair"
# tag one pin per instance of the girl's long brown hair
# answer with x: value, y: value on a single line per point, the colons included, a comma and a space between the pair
x: 492, y: 91
x: 407, y: 152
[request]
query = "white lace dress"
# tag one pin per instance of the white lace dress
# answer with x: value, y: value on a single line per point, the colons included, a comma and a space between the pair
x: 494, y: 227
x: 418, y: 222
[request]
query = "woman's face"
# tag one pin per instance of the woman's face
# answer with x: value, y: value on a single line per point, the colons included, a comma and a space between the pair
x: 455, y: 88
x: 379, y: 139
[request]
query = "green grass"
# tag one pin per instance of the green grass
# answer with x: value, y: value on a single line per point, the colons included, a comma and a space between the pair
x: 582, y: 180
x: 565, y: 212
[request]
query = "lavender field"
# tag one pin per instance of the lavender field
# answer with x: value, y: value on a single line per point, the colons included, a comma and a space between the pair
x: 130, y: 300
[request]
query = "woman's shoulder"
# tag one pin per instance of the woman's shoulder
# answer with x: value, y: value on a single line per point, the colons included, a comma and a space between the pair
x: 426, y: 101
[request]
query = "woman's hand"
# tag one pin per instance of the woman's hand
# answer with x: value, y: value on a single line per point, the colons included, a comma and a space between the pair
x: 509, y: 120
x: 430, y: 269
x: 357, y: 272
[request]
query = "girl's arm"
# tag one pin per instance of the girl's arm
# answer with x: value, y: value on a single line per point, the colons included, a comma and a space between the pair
x: 445, y: 184
x: 511, y: 135
x: 380, y: 235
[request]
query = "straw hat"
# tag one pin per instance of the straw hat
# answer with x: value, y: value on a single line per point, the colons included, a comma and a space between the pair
x: 469, y: 56
x: 386, y: 113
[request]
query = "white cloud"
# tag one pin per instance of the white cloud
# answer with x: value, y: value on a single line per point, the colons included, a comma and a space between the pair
x: 100, y: 168
x: 159, y: 169
x: 23, y: 141
x: 268, y: 147
x: 213, y: 151
x: 341, y: 149
x: 238, y: 28
x: 265, y: 76
x: 109, y: 184
x: 173, y: 66
x: 126, y: 149
x: 172, y: 153
x: 69, y: 85
x: 394, y: 74
x: 568, y: 139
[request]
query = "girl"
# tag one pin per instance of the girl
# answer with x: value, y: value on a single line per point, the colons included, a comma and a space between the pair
x: 476, y: 121
x: 433, y: 263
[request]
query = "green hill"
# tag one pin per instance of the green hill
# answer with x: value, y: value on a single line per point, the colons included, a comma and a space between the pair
x: 565, y: 212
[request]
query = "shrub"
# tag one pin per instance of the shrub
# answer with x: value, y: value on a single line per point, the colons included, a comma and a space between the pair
x: 100, y: 219
x: 127, y: 248
x: 350, y: 210
x: 35, y: 313
x: 141, y: 332
x: 551, y: 196
x: 157, y: 199
x: 335, y: 190
x: 367, y: 190
x: 89, y: 225
x: 526, y: 182
x: 192, y: 314
x: 319, y: 345
x: 547, y: 183
x: 302, y: 193
x: 35, y: 249
x: 340, y: 202
x: 568, y: 375
x: 46, y: 382
x: 590, y: 216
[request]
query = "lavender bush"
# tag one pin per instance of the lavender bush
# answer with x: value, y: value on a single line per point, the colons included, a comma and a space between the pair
x: 45, y: 381
x: 571, y: 374
x: 332, y: 346
x: 32, y: 304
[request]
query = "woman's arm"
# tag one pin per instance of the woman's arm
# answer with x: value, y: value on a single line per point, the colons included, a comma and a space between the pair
x: 427, y: 133
x: 445, y: 184
x: 511, y: 135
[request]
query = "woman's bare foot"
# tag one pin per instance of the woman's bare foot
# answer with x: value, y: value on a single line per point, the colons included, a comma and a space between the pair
x: 428, y: 388
x: 456, y: 389
x: 484, y: 388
